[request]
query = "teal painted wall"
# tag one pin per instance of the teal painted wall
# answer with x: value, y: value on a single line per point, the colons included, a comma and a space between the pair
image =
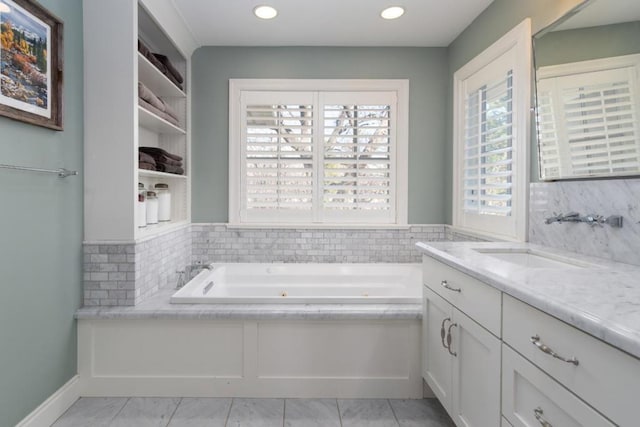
x: 41, y: 244
x: 495, y: 21
x: 212, y: 67
x: 561, y: 47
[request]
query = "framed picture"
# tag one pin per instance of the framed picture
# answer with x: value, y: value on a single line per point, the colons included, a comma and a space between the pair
x: 30, y: 64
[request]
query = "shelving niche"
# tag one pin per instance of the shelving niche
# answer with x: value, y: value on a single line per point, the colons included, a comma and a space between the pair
x: 116, y: 125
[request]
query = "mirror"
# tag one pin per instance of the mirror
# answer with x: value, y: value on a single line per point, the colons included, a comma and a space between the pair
x: 588, y: 92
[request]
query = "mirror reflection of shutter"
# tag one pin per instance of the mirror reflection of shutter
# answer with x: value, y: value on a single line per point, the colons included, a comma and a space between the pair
x: 591, y: 116
x: 488, y: 149
x: 359, y: 156
x: 278, y: 155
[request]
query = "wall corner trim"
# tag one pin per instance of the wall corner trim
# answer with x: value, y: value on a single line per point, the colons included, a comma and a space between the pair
x: 55, y: 405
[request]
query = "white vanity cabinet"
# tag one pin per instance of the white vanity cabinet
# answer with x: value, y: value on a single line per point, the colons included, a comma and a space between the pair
x: 461, y: 358
x: 493, y: 360
x: 604, y: 377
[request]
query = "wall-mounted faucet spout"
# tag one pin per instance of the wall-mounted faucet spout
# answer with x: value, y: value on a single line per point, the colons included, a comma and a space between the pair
x: 593, y: 220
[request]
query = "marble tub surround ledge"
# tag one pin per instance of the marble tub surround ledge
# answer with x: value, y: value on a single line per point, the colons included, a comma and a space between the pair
x: 601, y: 298
x: 159, y: 307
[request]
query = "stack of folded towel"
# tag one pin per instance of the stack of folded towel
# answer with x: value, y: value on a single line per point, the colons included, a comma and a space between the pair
x: 162, y: 63
x: 150, y: 102
x: 161, y: 160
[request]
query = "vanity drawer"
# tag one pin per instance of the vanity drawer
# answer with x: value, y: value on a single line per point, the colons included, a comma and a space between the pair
x: 477, y: 300
x: 606, y: 378
x: 530, y: 397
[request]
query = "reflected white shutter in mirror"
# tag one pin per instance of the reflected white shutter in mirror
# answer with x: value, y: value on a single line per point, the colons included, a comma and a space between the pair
x: 588, y: 120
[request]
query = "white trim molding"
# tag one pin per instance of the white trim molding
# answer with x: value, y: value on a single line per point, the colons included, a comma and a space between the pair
x: 56, y: 405
x: 514, y: 50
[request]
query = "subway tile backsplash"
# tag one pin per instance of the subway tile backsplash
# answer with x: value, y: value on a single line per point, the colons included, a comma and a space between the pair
x: 127, y: 274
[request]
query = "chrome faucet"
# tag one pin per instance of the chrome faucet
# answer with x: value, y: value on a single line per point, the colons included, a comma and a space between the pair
x: 186, y: 275
x: 593, y: 220
x: 570, y: 217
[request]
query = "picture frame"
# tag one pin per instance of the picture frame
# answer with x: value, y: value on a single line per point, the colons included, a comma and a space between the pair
x: 31, y: 64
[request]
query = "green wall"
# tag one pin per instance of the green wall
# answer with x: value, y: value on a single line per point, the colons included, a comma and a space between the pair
x: 561, y: 47
x: 495, y: 21
x: 41, y: 246
x: 426, y: 68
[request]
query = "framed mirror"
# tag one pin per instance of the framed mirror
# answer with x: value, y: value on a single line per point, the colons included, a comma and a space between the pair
x: 587, y: 67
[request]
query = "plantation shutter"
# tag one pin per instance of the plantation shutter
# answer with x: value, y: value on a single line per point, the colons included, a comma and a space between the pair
x: 278, y: 155
x: 488, y: 148
x: 358, y: 170
x: 595, y: 116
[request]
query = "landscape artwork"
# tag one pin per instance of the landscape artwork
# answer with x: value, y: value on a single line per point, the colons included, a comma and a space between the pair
x: 25, y: 62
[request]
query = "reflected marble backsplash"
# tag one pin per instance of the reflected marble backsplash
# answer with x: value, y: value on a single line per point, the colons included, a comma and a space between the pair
x: 604, y: 197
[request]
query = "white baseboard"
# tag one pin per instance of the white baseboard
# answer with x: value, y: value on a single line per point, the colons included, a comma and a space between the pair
x: 56, y: 405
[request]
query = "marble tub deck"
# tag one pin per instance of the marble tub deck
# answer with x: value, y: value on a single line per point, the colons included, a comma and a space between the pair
x: 227, y: 412
x: 159, y: 307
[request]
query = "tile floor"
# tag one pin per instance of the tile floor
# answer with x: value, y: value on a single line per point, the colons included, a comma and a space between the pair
x: 210, y: 412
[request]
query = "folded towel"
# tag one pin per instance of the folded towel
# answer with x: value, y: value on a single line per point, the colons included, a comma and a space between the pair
x: 146, y: 52
x: 147, y: 166
x: 146, y: 158
x: 162, y: 167
x: 146, y: 94
x: 153, y: 151
x: 170, y: 68
x: 144, y: 104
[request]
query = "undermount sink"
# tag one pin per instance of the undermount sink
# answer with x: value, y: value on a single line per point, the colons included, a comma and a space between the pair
x: 531, y: 258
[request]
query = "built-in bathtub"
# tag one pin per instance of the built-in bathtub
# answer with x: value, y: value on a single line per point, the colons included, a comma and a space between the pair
x: 304, y: 284
x: 346, y: 330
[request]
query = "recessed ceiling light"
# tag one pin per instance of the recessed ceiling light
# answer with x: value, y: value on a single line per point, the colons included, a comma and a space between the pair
x: 393, y: 12
x: 4, y: 8
x: 265, y: 12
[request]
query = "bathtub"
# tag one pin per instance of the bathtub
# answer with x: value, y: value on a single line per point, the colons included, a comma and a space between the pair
x: 304, y: 284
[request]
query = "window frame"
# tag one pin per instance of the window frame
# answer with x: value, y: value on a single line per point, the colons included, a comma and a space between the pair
x: 517, y: 45
x: 399, y: 86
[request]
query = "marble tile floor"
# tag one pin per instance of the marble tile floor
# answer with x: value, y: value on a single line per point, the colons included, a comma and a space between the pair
x: 241, y: 412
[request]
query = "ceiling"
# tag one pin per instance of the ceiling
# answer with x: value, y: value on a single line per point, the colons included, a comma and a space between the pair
x: 328, y: 22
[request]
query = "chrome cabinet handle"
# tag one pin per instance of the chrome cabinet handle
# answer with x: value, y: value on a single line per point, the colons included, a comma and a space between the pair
x: 442, y: 331
x: 446, y: 285
x: 535, y: 340
x: 538, y: 412
x: 449, y: 339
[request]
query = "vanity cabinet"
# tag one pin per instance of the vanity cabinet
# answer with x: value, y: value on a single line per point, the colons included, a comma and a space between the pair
x: 529, y: 369
x: 604, y: 377
x: 455, y: 345
x: 116, y: 126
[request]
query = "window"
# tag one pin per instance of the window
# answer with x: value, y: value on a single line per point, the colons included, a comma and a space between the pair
x: 588, y: 118
x: 318, y: 151
x: 491, y: 132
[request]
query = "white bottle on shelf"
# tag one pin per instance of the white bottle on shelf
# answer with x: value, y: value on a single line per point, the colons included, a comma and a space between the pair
x: 164, y: 202
x: 152, y: 208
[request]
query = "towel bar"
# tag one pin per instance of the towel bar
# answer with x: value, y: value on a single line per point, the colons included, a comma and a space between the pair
x: 62, y: 172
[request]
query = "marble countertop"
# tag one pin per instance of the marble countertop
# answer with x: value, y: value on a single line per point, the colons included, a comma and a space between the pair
x: 158, y: 307
x: 601, y: 298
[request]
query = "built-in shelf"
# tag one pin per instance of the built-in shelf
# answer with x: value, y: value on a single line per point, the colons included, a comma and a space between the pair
x: 150, y: 121
x: 157, y: 82
x: 156, y: 174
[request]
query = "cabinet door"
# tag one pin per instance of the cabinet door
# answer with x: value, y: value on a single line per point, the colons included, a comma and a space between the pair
x: 476, y: 373
x: 530, y: 398
x: 436, y: 360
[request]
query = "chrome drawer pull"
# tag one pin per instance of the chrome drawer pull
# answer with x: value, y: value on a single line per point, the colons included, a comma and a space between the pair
x: 535, y: 340
x: 446, y: 285
x: 538, y: 413
x: 442, y: 332
x: 453, y: 353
